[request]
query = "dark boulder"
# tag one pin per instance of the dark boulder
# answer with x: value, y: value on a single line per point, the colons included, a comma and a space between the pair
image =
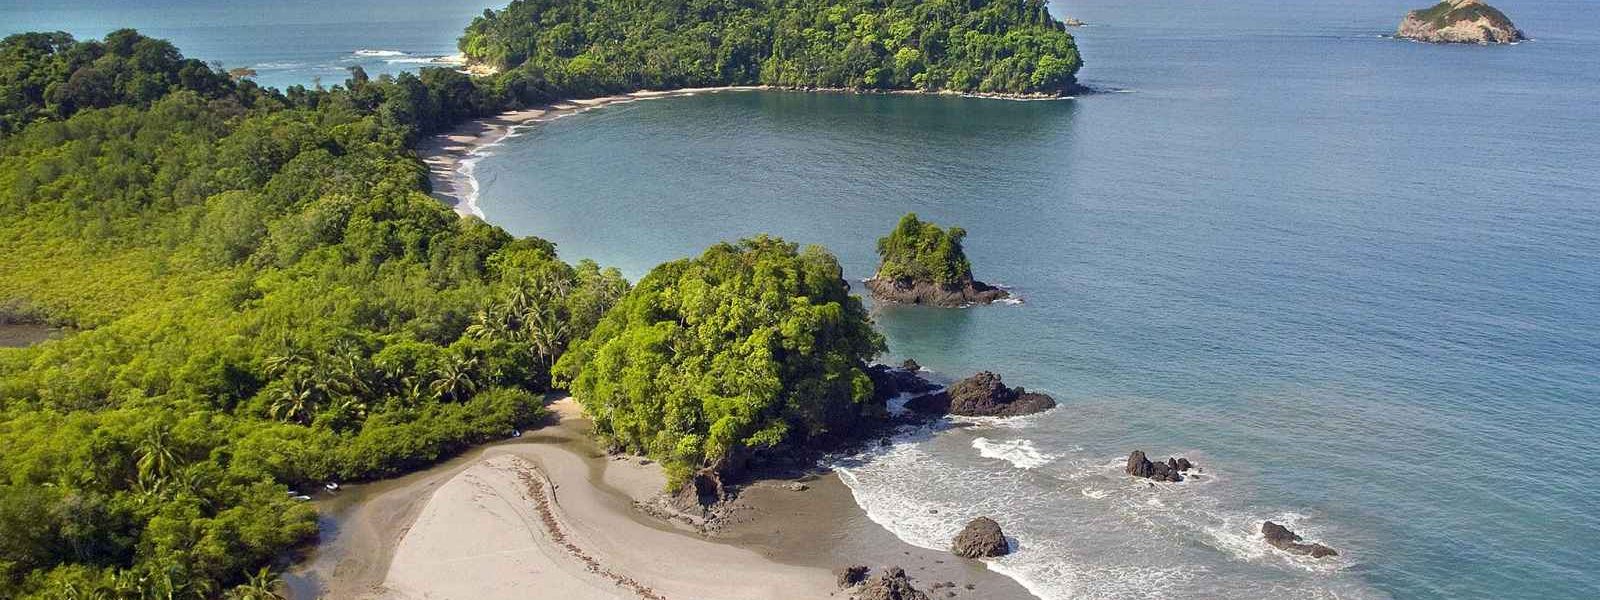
x: 851, y: 575
x: 982, y: 395
x: 1281, y: 538
x: 890, y: 584
x: 980, y: 538
x: 888, y: 382
x: 951, y: 295
x: 1171, y: 471
x: 911, y: 365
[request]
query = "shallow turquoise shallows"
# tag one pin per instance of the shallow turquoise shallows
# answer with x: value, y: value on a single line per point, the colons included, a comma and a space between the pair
x: 1357, y: 279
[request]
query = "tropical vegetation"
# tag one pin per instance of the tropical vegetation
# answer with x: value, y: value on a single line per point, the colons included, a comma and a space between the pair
x: 261, y: 296
x: 594, y: 47
x: 918, y: 250
x: 750, y: 347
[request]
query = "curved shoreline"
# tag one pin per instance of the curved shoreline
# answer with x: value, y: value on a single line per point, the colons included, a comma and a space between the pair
x: 550, y: 511
x: 452, y: 156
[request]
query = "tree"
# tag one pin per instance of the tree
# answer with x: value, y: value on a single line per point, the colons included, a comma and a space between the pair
x: 749, y: 347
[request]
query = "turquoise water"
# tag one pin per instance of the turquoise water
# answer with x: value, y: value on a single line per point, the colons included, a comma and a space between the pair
x: 1357, y: 279
x: 287, y: 42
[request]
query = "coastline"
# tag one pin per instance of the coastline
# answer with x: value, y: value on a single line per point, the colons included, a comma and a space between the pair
x: 452, y: 156
x: 476, y: 527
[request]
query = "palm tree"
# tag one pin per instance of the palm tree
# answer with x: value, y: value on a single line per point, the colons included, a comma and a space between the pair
x: 157, y: 461
x: 295, y: 401
x: 454, y: 379
x: 263, y: 585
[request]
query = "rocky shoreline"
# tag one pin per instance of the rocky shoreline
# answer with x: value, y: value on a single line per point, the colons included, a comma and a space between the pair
x: 927, y: 293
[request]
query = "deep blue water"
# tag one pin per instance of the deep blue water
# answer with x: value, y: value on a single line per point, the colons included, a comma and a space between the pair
x: 287, y: 42
x: 1357, y: 278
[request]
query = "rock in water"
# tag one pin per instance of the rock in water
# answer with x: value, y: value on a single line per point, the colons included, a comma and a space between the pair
x: 981, y: 538
x: 1459, y: 22
x: 1172, y: 470
x: 982, y: 395
x: 891, y: 584
x: 1281, y: 538
x: 889, y: 382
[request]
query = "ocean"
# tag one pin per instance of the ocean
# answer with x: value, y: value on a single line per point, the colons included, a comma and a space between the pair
x: 287, y: 42
x: 1356, y: 279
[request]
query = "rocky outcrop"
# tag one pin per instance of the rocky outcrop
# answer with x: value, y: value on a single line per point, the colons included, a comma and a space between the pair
x: 1172, y: 471
x: 979, y: 539
x: 704, y: 489
x: 888, y: 382
x: 891, y: 584
x: 1459, y: 22
x: 1281, y: 538
x: 952, y: 295
x: 982, y: 395
x: 851, y: 576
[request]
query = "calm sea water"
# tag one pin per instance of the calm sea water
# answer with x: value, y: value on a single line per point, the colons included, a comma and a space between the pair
x: 287, y: 42
x: 1357, y: 279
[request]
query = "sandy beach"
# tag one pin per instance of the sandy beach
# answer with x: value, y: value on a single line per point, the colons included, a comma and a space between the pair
x: 450, y: 155
x: 549, y: 512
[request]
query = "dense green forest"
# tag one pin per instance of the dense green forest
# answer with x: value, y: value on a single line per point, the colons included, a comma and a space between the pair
x: 261, y: 296
x: 593, y: 47
x: 750, y: 346
x: 918, y: 250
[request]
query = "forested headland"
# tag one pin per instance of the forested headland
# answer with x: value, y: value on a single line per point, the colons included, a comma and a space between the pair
x: 262, y: 297
x: 596, y: 47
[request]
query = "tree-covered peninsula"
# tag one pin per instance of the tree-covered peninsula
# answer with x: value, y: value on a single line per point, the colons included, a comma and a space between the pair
x: 260, y: 297
x: 922, y: 263
x: 596, y: 47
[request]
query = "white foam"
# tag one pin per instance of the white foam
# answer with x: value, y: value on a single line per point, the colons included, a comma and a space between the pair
x: 1020, y: 453
x: 377, y: 53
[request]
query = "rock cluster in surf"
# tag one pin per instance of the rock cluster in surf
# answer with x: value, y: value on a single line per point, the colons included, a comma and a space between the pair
x: 1171, y: 471
x: 1459, y: 22
x: 982, y: 395
x: 1281, y: 538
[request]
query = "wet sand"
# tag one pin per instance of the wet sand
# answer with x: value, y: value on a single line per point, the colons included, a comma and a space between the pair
x: 471, y: 528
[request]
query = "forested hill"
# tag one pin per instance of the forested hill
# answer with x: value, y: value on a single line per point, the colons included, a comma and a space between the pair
x: 590, y: 47
x: 260, y: 298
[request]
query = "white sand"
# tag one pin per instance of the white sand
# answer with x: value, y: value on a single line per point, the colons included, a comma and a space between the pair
x: 483, y: 535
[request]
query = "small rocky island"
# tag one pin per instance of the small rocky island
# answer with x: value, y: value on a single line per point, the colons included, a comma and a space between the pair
x: 921, y: 263
x: 1459, y: 22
